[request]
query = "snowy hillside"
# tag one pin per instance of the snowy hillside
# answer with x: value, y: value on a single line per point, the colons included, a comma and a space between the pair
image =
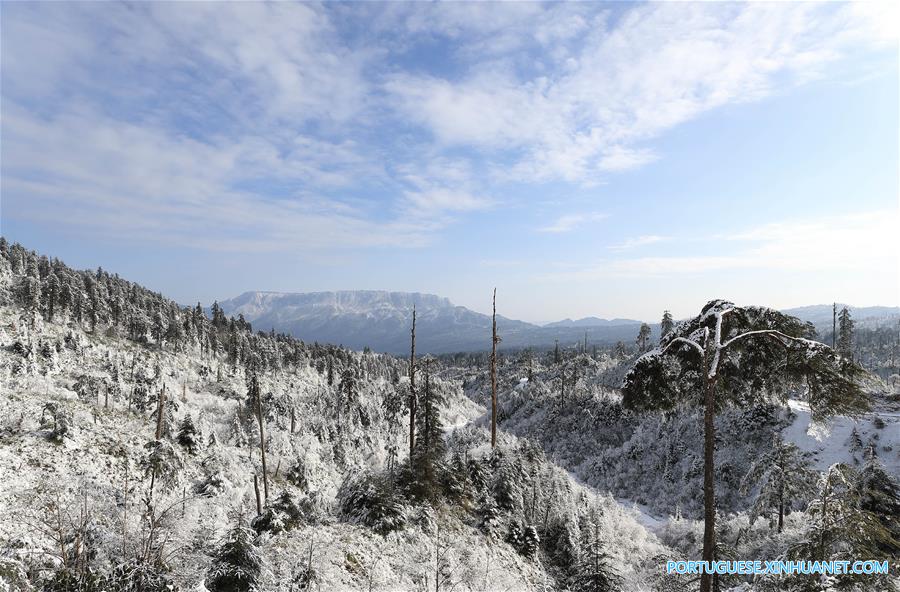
x: 136, y: 464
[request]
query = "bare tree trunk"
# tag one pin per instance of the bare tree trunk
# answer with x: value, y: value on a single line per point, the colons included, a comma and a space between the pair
x: 709, y: 499
x: 125, y: 511
x: 412, y: 388
x: 256, y: 490
x: 833, y: 324
x: 161, y: 403
x: 262, y: 443
x: 494, y: 340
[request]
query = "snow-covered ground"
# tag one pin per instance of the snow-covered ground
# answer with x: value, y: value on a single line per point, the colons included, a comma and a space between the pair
x: 833, y: 441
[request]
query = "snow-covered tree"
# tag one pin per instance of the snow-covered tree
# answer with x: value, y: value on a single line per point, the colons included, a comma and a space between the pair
x: 739, y: 355
x: 237, y: 565
x: 845, y: 332
x: 187, y: 435
x: 594, y: 571
x: 783, y: 476
x: 666, y: 325
x: 879, y: 495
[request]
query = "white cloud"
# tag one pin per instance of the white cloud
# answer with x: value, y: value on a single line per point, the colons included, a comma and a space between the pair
x: 628, y: 81
x: 128, y: 181
x: 444, y: 200
x: 570, y: 222
x: 638, y: 241
x: 857, y: 242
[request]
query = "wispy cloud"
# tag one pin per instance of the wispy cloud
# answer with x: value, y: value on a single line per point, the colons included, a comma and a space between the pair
x: 284, y: 126
x: 593, y: 103
x: 856, y: 241
x: 638, y: 241
x: 570, y: 222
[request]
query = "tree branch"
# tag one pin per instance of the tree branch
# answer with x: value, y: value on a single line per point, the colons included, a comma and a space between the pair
x: 690, y: 342
x: 772, y: 333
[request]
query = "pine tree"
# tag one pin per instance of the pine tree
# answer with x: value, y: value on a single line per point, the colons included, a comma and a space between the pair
x: 426, y: 470
x: 594, y: 571
x: 842, y: 525
x: 643, y: 338
x: 784, y: 476
x: 161, y: 465
x: 879, y: 495
x: 238, y: 433
x: 845, y: 333
x: 729, y: 352
x: 666, y: 325
x: 187, y: 435
x: 237, y: 565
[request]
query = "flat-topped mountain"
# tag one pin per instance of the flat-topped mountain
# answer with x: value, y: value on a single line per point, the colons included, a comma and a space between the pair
x: 381, y: 320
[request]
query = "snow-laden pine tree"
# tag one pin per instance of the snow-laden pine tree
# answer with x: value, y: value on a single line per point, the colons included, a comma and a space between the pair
x: 845, y: 333
x: 594, y: 571
x: 784, y: 476
x: 187, y: 435
x: 733, y: 355
x: 840, y: 526
x: 879, y: 494
x: 237, y: 565
x: 666, y: 325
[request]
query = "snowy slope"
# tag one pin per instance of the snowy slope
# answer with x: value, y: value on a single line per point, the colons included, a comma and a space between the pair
x: 98, y: 465
x: 834, y: 441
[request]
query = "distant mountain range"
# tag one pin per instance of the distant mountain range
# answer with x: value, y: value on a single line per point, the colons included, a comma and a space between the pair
x: 592, y: 322
x: 381, y: 320
x: 820, y: 315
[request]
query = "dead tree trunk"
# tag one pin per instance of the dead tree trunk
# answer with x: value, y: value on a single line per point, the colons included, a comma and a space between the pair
x: 161, y: 403
x: 412, y: 388
x: 256, y: 490
x: 833, y: 324
x: 262, y: 440
x: 709, y: 500
x: 494, y: 341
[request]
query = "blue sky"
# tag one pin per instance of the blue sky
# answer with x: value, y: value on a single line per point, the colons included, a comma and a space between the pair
x: 587, y: 159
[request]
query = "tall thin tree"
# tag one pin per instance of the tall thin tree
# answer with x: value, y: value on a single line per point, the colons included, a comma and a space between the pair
x: 412, y: 387
x: 256, y: 396
x: 494, y: 341
x: 833, y: 325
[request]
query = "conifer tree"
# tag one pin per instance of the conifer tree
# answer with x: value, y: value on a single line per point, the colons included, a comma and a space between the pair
x: 643, y: 338
x: 666, y: 325
x: 187, y: 435
x: 845, y: 333
x: 738, y: 355
x: 237, y: 565
x: 879, y: 495
x: 783, y: 475
x: 594, y: 571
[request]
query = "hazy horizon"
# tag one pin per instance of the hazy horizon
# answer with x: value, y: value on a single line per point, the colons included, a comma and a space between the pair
x: 609, y: 160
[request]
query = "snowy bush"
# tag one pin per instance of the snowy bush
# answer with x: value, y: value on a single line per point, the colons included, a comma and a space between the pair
x: 372, y: 500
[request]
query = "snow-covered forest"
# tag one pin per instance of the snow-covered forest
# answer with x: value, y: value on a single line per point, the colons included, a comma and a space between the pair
x: 147, y: 446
